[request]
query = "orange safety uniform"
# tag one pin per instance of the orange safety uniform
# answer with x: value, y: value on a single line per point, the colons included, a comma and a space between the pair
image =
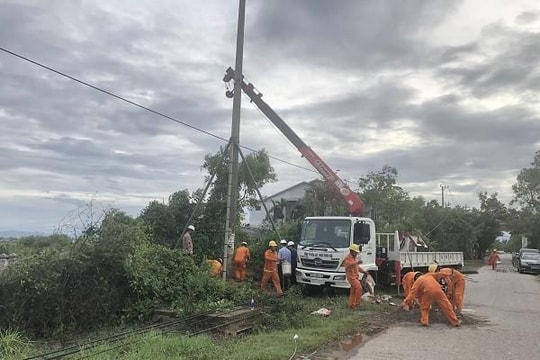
x: 240, y: 258
x: 457, y: 283
x: 270, y: 271
x: 493, y: 258
x: 352, y: 270
x: 407, y: 282
x: 431, y: 292
x: 215, y: 267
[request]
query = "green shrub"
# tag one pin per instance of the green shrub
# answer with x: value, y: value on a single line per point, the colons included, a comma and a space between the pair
x: 160, y: 276
x: 286, y: 312
x: 112, y: 273
x: 82, y: 287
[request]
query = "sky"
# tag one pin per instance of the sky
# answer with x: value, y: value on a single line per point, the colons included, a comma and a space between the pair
x: 444, y: 91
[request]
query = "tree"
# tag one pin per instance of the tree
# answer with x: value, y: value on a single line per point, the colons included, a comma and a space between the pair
x: 386, y: 202
x: 525, y: 221
x: 212, y: 229
x: 527, y: 188
x: 492, y: 214
x: 321, y: 200
x: 158, y: 217
x: 166, y: 221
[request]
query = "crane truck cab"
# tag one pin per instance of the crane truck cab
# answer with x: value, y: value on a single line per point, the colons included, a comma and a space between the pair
x: 325, y: 240
x: 324, y: 243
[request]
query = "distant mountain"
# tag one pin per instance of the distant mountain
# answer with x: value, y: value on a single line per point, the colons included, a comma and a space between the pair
x: 18, y: 234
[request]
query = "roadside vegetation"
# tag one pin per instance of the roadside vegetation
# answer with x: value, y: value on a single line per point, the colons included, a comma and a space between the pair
x: 112, y: 270
x: 290, y: 316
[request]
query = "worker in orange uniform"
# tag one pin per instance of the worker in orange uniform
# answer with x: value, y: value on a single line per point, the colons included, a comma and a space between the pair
x: 241, y: 257
x: 431, y: 291
x: 457, y: 287
x: 352, y: 272
x: 493, y: 259
x: 408, y: 281
x: 270, y: 271
x: 216, y: 267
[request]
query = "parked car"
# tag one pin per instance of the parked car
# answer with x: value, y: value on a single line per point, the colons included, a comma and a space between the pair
x: 529, y: 262
x: 517, y: 255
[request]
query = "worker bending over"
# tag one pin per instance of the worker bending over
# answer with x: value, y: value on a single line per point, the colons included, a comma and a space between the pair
x: 456, y: 293
x: 408, y: 281
x: 216, y: 267
x: 431, y: 291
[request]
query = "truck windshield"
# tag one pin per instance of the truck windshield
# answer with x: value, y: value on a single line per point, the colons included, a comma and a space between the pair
x: 326, y: 233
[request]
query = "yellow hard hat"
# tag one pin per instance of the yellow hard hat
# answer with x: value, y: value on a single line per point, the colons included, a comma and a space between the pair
x: 432, y: 267
x: 355, y: 248
x: 272, y: 243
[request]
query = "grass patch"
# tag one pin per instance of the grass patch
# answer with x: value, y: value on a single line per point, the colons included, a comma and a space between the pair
x: 13, y: 345
x: 317, y: 332
x: 472, y: 266
x: 273, y: 339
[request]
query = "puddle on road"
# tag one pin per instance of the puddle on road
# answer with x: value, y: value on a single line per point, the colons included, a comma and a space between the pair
x: 345, y: 348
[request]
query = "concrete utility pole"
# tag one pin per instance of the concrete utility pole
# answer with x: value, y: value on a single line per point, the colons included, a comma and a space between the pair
x: 232, y: 191
x: 443, y: 186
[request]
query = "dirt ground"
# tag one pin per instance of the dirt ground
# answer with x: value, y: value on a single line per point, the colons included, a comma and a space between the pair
x: 435, y: 317
x: 378, y: 322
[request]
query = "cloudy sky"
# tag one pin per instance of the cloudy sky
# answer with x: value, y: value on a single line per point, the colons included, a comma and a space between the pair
x: 445, y: 91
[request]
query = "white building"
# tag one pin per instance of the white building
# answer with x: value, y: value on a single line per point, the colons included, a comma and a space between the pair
x: 287, y: 198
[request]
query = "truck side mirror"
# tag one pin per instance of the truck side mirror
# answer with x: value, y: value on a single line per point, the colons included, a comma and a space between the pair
x: 362, y: 233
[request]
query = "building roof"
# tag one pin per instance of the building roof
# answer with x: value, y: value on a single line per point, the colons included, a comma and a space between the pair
x: 303, y: 183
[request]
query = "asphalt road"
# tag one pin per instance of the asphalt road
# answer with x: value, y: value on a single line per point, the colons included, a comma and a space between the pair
x: 507, y: 307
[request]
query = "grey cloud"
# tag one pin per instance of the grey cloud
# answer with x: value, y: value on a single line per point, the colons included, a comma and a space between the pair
x: 443, y: 119
x: 360, y: 34
x: 528, y: 17
x: 63, y: 141
x: 378, y: 105
x: 456, y: 53
x: 512, y: 68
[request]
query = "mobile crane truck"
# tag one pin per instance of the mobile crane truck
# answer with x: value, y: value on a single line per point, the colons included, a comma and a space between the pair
x: 325, y: 240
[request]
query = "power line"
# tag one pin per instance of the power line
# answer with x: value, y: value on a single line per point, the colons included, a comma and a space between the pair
x: 133, y: 103
x: 111, y: 94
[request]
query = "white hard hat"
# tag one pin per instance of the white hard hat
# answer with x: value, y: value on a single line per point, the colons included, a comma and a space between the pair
x: 290, y: 243
x: 283, y: 241
x: 191, y: 227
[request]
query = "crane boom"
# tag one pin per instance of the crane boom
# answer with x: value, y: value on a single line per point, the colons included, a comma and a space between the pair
x: 356, y: 206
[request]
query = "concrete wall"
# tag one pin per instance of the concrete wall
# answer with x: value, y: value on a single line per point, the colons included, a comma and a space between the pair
x: 292, y: 195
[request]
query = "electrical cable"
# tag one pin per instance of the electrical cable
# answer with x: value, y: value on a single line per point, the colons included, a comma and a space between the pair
x: 191, y: 320
x: 295, y: 338
x: 133, y: 103
x: 56, y: 354
x: 107, y: 92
